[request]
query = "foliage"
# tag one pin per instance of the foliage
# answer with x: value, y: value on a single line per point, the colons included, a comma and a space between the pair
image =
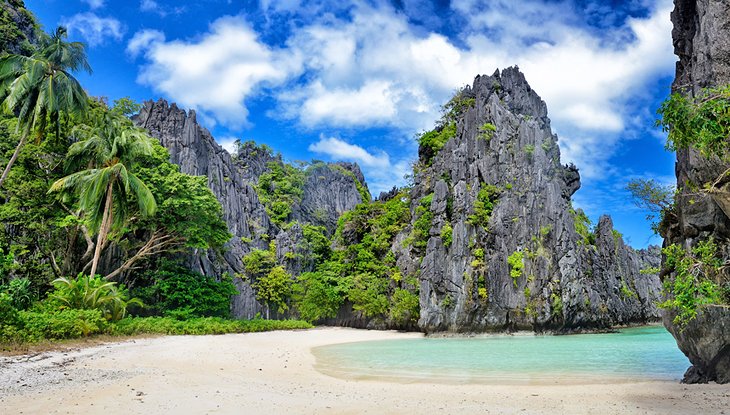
x: 701, y: 122
x: 186, y: 207
x: 11, y: 35
x: 279, y: 189
x: 653, y: 197
x: 446, y: 234
x: 626, y: 291
x: 695, y: 282
x: 422, y: 224
x: 200, y: 326
x: 319, y: 295
x: 431, y: 142
x: 583, y: 226
x: 108, y: 152
x: 175, y: 290
x: 258, y: 263
x: 275, y: 288
x: 516, y: 265
x: 457, y: 106
x: 556, y: 302
x: 92, y: 293
x: 529, y: 149
x: 20, y: 292
x: 486, y: 131
x: 38, y: 88
x: 317, y: 242
x: 405, y: 309
x: 484, y: 205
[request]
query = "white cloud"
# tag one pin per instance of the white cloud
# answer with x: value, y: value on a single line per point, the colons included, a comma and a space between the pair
x: 94, y: 4
x: 152, y: 6
x: 381, y: 172
x: 148, y: 5
x: 370, y: 66
x: 215, y: 72
x: 143, y: 40
x: 228, y: 144
x: 94, y: 29
x: 341, y: 150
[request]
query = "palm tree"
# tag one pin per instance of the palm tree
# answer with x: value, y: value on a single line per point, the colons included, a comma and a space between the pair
x: 108, y: 148
x: 41, y: 85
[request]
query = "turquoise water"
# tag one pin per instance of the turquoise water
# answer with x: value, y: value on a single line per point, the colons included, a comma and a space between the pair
x: 634, y: 354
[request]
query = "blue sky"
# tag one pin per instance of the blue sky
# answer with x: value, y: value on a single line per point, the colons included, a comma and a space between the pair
x: 355, y: 80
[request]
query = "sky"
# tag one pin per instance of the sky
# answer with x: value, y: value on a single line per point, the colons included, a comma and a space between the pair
x: 357, y: 80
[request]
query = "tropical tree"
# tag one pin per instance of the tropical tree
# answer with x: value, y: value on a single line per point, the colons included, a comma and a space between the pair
x: 40, y: 87
x: 108, y: 147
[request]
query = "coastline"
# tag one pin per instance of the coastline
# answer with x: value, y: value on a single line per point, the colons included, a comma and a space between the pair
x: 274, y: 372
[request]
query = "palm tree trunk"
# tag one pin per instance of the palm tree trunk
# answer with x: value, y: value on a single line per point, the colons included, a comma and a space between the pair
x: 104, y: 228
x: 23, y: 138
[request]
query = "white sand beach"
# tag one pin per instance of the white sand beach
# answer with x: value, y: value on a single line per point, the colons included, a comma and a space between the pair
x: 273, y: 373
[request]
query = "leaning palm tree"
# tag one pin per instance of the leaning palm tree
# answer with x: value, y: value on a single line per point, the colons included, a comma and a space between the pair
x: 40, y: 86
x: 107, y: 149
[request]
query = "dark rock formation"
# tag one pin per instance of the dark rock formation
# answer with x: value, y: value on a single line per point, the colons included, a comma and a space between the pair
x: 702, y: 42
x: 329, y: 190
x: 19, y: 28
x: 567, y: 283
x: 328, y: 193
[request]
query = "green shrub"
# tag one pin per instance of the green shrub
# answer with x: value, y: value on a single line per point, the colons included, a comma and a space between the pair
x: 274, y: 289
x: 446, y: 234
x: 583, y: 226
x: 431, y: 142
x: 8, y: 313
x: 516, y: 265
x: 486, y: 131
x: 200, y: 326
x: 93, y: 293
x: 405, y: 309
x: 181, y: 293
x: 693, y: 285
x: 65, y: 324
x: 21, y: 293
x: 484, y: 205
x: 319, y: 295
x: 422, y: 224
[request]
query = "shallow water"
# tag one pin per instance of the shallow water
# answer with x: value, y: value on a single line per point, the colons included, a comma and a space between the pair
x: 633, y: 354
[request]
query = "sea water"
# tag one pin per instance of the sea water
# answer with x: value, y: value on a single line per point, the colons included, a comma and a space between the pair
x: 630, y: 355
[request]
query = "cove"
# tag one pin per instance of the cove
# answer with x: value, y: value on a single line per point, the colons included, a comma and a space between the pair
x: 630, y: 355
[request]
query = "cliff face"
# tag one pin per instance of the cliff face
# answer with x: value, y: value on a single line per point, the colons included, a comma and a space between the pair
x: 18, y: 28
x: 702, y: 42
x: 523, y: 265
x: 232, y: 179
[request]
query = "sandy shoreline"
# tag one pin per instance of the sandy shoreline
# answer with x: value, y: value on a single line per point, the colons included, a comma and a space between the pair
x: 273, y: 373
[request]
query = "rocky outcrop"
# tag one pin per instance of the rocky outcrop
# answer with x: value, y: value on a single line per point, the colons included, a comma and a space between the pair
x: 702, y: 42
x: 329, y: 190
x: 525, y: 266
x: 19, y: 28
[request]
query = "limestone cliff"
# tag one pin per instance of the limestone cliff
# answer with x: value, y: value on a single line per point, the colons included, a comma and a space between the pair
x: 522, y: 265
x: 329, y: 190
x: 702, y: 42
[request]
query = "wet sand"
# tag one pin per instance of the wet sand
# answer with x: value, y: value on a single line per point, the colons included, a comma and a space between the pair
x: 274, y: 373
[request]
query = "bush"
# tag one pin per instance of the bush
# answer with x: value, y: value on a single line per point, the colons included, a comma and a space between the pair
x: 484, y: 205
x: 92, y: 293
x: 516, y: 265
x: 319, y: 295
x: 181, y: 293
x: 47, y: 324
x: 200, y: 326
x: 693, y: 285
x: 20, y: 292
